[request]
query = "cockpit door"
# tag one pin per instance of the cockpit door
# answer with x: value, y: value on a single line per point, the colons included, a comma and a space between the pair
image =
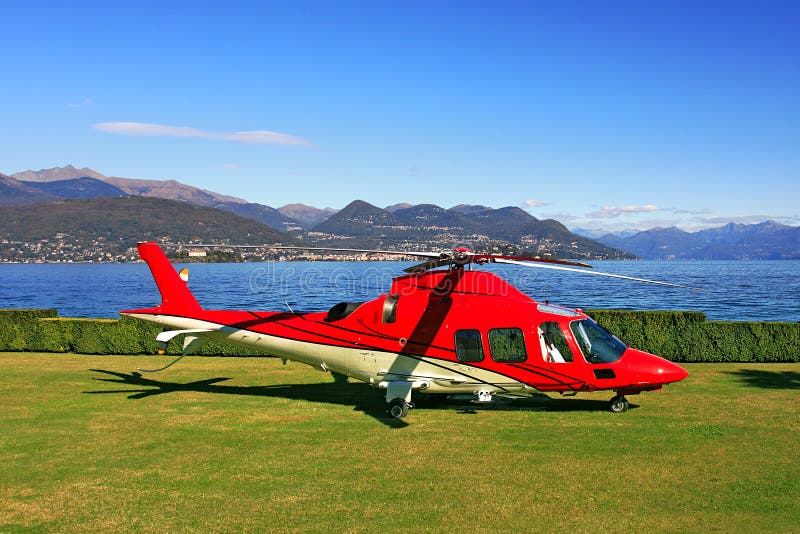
x: 553, y: 344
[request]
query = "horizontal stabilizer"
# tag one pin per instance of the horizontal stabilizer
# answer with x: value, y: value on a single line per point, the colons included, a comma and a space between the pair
x: 193, y: 339
x: 167, y: 335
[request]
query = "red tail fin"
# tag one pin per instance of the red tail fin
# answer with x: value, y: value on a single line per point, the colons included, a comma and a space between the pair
x: 175, y: 295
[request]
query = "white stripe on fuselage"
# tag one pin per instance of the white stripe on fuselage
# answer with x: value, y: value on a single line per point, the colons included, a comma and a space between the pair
x: 371, y: 366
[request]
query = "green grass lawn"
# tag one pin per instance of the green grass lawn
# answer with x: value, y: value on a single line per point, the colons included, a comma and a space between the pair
x: 247, y: 444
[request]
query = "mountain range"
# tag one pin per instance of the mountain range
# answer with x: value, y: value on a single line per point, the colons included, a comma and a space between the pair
x: 16, y: 193
x: 423, y: 226
x: 478, y: 227
x: 764, y: 241
x: 167, y: 189
x: 308, y: 216
x: 359, y: 224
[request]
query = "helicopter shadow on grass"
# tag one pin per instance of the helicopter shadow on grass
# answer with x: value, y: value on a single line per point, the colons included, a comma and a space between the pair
x: 359, y: 395
x: 768, y: 379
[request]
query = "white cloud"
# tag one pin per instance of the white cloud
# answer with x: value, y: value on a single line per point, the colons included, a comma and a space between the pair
x: 255, y: 137
x: 261, y: 137
x: 530, y: 203
x: 678, y: 211
x: 610, y: 212
x: 560, y: 216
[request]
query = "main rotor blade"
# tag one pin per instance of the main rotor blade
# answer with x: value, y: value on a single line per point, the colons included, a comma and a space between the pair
x: 494, y: 257
x: 598, y: 273
x: 326, y: 249
x: 430, y: 264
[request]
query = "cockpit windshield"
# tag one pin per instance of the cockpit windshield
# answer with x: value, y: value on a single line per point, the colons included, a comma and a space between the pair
x: 597, y: 345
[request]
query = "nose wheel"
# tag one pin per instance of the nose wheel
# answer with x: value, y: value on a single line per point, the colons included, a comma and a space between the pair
x: 398, y: 408
x: 618, y: 404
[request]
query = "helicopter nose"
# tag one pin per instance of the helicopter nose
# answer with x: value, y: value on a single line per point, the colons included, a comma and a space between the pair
x: 670, y: 372
x: 657, y: 370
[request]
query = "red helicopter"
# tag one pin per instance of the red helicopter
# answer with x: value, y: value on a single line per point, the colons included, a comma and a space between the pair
x: 441, y: 331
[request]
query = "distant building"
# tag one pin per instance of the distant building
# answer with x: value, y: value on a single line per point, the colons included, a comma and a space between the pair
x: 197, y: 253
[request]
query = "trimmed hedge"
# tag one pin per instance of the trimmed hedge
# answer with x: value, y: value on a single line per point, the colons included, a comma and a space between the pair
x: 15, y: 327
x: 681, y: 336
x: 33, y: 331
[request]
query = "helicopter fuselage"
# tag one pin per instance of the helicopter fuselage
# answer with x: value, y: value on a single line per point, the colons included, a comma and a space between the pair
x: 441, y: 331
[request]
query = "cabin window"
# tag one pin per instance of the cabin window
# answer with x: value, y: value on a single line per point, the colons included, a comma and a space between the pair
x: 469, y: 346
x: 597, y: 345
x: 507, y: 345
x: 553, y: 344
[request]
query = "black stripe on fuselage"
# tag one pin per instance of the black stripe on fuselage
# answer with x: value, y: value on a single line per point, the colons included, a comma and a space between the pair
x: 425, y: 359
x: 535, y: 370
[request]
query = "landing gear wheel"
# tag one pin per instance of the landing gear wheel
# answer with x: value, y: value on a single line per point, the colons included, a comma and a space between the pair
x: 398, y: 409
x: 618, y: 404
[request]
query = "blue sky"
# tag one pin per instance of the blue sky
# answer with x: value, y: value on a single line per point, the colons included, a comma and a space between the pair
x: 604, y: 115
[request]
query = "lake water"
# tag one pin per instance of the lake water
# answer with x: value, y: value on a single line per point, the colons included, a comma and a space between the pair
x: 735, y: 290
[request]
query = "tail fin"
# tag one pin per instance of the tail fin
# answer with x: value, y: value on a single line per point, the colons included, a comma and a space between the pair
x: 175, y: 294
